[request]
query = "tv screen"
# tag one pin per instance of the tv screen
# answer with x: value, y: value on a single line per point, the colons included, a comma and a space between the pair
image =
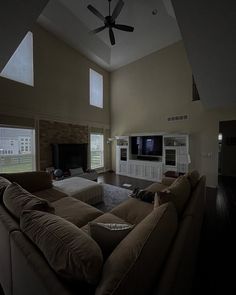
x: 152, y: 145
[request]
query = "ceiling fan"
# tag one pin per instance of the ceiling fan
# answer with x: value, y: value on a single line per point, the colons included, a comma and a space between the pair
x: 110, y: 20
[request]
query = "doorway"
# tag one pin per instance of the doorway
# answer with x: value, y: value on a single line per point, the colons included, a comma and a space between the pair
x: 227, y: 149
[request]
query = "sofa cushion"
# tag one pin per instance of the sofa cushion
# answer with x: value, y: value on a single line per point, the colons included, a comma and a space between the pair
x: 50, y: 194
x: 137, y: 261
x: 3, y: 184
x: 178, y: 193
x: 193, y: 178
x: 71, y: 253
x: 132, y: 210
x: 108, y: 235
x: 156, y: 187
x: 31, y: 181
x: 16, y: 199
x: 75, y: 211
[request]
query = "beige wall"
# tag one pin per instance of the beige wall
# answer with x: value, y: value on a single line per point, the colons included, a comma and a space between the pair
x: 61, y: 88
x: 145, y: 93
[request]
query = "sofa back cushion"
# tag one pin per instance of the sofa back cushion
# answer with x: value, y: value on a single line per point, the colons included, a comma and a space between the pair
x: 16, y: 199
x: 70, y: 252
x: 31, y: 181
x: 140, y: 255
x: 3, y: 185
x: 176, y: 277
x: 178, y: 193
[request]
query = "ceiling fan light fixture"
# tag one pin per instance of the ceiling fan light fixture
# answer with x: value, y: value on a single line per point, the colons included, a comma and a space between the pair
x: 110, y: 20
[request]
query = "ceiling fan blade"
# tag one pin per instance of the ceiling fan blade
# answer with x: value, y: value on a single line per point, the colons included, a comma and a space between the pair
x: 112, y: 37
x: 98, y: 30
x: 117, y: 9
x: 96, y: 12
x: 124, y: 28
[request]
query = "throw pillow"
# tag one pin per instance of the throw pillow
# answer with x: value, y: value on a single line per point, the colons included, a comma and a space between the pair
x: 16, y: 199
x: 108, y: 235
x: 162, y: 198
x: 3, y: 185
x: 178, y: 192
x: 71, y: 253
x: 193, y: 178
x: 76, y: 171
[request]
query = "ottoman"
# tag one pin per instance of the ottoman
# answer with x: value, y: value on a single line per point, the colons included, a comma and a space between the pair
x: 80, y: 188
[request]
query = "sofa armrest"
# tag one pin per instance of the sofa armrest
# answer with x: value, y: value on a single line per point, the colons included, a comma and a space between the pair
x: 168, y: 180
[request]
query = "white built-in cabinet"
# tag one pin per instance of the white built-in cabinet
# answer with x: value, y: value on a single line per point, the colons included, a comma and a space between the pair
x: 145, y: 170
x: 176, y: 153
x: 175, y: 157
x: 122, y: 151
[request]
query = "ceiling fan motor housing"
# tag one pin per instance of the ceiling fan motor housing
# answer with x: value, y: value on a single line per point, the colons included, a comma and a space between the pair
x: 110, y: 20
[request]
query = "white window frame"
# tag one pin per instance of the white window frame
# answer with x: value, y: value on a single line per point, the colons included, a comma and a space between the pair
x: 31, y: 154
x: 95, y: 89
x: 102, y: 152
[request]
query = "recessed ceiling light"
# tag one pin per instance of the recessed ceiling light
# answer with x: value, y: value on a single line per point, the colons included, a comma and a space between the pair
x: 154, y: 12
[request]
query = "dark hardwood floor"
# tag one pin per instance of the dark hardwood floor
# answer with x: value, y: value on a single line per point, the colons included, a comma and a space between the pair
x: 217, y: 255
x: 119, y: 180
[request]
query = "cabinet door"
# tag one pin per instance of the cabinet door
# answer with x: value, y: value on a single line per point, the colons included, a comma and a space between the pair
x: 153, y: 172
x: 132, y: 169
x: 139, y: 170
x: 123, y: 168
x: 170, y: 157
x: 156, y: 173
x: 182, y: 160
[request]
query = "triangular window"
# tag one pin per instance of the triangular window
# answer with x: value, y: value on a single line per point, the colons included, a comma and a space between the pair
x: 20, y: 67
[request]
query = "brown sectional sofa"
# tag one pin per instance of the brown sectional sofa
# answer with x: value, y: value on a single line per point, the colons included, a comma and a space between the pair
x: 156, y: 257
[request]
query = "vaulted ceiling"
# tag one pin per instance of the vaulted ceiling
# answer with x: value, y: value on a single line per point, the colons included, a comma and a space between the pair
x: 71, y: 21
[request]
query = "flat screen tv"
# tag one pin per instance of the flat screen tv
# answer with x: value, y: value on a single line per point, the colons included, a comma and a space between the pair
x: 152, y: 145
x: 69, y: 156
x: 146, y: 145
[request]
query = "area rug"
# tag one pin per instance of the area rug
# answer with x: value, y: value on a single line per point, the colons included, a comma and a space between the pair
x: 113, y: 196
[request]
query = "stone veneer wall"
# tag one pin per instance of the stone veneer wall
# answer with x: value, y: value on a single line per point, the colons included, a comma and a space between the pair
x: 56, y: 132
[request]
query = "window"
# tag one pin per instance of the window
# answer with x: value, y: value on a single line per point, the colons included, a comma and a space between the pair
x: 13, y: 156
x: 96, y: 150
x: 195, y: 93
x: 96, y: 89
x: 20, y: 67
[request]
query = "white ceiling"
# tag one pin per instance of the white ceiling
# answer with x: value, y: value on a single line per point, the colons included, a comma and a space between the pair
x: 71, y: 21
